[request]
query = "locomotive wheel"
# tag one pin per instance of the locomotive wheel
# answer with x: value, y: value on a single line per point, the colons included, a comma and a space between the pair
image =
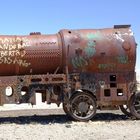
x: 134, y: 105
x: 65, y: 108
x: 125, y: 110
x: 82, y: 106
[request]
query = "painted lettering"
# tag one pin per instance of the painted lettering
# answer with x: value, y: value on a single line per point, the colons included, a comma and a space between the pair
x: 13, y: 48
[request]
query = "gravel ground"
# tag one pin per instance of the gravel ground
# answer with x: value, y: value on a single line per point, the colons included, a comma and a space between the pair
x: 120, y: 130
x: 112, y: 125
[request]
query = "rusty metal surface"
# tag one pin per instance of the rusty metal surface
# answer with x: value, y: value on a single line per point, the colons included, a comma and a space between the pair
x: 33, y: 54
x: 104, y: 50
x: 100, y: 50
x: 99, y: 63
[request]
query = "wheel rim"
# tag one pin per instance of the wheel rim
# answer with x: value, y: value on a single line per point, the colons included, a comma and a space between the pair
x: 125, y: 110
x: 83, y: 107
x: 137, y: 104
x: 65, y: 108
x: 134, y: 105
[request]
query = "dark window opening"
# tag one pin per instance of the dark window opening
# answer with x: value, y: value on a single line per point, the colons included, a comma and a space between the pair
x: 119, y: 92
x: 113, y: 85
x: 107, y: 92
x: 113, y: 78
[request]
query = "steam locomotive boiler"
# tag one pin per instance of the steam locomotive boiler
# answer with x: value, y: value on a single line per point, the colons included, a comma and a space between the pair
x: 85, y: 70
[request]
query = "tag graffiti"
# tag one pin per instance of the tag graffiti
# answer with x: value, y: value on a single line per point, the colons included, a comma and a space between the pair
x: 97, y: 36
x: 83, y: 57
x: 12, y: 51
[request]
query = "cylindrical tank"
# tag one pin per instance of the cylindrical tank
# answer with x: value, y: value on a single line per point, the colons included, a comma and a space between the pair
x: 103, y: 50
x: 33, y: 54
x: 93, y: 50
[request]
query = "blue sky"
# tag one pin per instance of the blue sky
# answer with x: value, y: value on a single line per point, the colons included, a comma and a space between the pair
x: 49, y: 16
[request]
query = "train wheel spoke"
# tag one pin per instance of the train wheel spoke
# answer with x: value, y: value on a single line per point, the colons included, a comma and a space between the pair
x: 83, y: 106
x: 135, y: 105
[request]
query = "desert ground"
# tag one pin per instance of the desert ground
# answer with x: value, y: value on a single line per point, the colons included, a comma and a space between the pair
x: 53, y: 124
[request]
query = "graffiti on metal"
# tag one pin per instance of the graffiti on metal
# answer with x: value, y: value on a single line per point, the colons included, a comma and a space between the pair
x: 90, y: 49
x: 82, y: 58
x: 106, y: 66
x: 122, y: 59
x: 96, y: 35
x: 12, y: 51
x: 79, y: 61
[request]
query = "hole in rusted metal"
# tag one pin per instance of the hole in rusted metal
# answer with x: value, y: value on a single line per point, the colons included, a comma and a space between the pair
x: 46, y: 79
x: 57, y: 79
x: 112, y: 85
x: 24, y: 90
x: 119, y: 92
x: 21, y: 80
x: 36, y: 80
x: 112, y: 77
x: 69, y: 32
x: 107, y: 92
x: 8, y: 91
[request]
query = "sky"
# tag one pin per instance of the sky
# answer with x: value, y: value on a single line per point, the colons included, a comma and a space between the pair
x: 20, y: 17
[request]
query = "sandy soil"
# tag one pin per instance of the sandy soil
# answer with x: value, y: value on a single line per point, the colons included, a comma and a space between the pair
x: 112, y: 125
x: 120, y: 130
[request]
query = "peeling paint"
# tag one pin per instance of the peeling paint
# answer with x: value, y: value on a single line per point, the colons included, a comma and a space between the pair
x: 119, y: 37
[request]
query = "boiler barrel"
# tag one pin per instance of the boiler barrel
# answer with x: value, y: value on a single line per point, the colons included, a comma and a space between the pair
x: 99, y: 50
x: 103, y: 50
x: 33, y: 54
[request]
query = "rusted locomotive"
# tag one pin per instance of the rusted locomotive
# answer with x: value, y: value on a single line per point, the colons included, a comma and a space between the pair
x: 85, y: 70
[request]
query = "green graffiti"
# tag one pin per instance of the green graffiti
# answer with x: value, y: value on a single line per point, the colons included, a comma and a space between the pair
x: 91, y: 43
x: 106, y: 66
x: 90, y: 51
x: 82, y: 60
x: 122, y: 59
x: 96, y: 35
x: 79, y: 62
